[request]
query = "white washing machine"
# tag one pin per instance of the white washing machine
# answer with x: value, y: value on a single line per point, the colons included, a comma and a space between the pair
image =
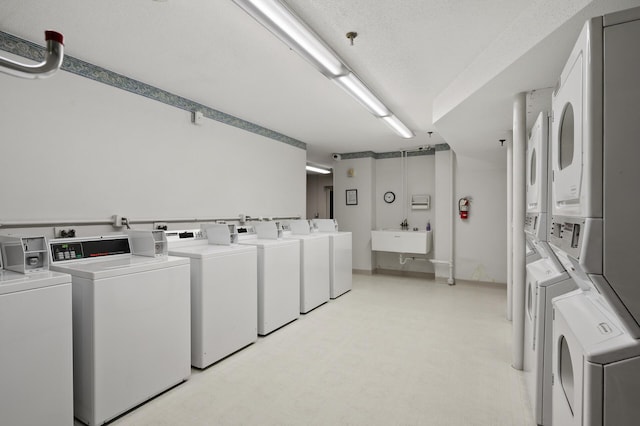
x: 546, y: 278
x: 315, y: 285
x: 340, y: 256
x: 224, y: 291
x: 36, y: 364
x: 131, y: 322
x: 594, y: 155
x: 278, y: 275
x: 537, y: 182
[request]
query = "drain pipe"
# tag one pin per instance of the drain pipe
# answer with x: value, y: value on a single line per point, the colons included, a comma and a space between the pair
x: 519, y: 202
x: 51, y: 64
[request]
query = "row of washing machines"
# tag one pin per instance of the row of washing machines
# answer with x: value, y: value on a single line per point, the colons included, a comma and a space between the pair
x: 582, y: 298
x: 93, y: 327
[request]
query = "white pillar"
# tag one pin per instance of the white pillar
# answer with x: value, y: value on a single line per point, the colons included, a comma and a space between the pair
x: 509, y: 230
x: 518, y: 169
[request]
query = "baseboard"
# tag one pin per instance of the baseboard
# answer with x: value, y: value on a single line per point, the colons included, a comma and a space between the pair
x: 413, y: 274
x: 361, y: 272
x: 482, y: 283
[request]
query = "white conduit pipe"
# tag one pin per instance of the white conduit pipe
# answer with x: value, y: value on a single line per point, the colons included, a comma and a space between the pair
x: 519, y: 165
x: 509, y: 230
x: 51, y: 64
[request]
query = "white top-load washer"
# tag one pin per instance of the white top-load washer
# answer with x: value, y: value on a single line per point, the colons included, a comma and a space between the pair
x: 594, y: 158
x: 314, y: 265
x: 278, y: 275
x: 340, y: 256
x: 224, y: 291
x: 131, y: 320
x: 36, y: 348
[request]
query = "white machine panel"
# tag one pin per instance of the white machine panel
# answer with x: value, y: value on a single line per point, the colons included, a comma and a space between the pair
x: 314, y: 270
x: 36, y: 365
x: 278, y: 281
x: 224, y: 297
x: 340, y: 263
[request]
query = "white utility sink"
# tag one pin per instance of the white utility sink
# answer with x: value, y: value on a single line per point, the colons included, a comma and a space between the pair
x: 400, y: 241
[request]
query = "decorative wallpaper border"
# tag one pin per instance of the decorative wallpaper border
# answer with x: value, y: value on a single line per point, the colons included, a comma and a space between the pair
x: 394, y: 154
x: 27, y: 49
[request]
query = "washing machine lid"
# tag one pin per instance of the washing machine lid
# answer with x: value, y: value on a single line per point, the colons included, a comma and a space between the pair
x: 205, y: 250
x: 107, y: 267
x: 545, y: 272
x: 12, y: 282
x: 599, y: 332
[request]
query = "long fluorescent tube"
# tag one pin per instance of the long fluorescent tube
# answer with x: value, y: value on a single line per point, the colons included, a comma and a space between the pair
x: 318, y: 170
x: 398, y: 126
x: 356, y: 88
x: 278, y: 19
x: 284, y: 24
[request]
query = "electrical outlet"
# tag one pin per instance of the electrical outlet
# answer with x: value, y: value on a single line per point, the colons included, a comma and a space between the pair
x: 116, y: 221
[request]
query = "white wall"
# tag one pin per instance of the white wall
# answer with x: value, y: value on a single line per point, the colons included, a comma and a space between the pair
x: 420, y: 180
x: 359, y: 219
x: 480, y: 240
x: 74, y: 149
x: 318, y: 194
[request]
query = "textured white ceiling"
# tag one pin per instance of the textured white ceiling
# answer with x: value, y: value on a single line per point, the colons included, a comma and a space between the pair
x: 407, y: 51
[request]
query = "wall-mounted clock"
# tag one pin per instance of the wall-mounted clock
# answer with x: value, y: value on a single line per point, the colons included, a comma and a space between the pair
x: 389, y: 197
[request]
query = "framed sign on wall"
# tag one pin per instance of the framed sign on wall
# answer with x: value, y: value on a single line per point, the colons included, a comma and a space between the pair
x: 352, y: 197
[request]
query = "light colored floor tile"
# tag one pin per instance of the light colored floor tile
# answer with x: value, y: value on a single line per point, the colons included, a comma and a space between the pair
x: 393, y: 351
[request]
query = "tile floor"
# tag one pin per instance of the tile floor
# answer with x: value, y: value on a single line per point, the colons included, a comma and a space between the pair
x: 393, y: 351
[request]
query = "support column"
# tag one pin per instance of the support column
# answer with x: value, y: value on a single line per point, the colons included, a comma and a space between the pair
x: 509, y: 229
x: 519, y: 205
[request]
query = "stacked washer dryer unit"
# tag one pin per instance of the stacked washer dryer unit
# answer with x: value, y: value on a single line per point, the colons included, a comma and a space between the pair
x: 131, y: 320
x: 224, y: 290
x: 340, y: 256
x: 546, y: 278
x: 36, y: 364
x: 278, y: 275
x: 314, y: 265
x: 596, y: 363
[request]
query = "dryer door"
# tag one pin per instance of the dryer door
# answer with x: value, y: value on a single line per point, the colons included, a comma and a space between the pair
x: 567, y: 141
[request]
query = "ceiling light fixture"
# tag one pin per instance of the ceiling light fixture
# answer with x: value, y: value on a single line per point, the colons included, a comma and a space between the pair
x: 398, y: 126
x: 356, y: 88
x: 318, y: 170
x: 284, y: 24
x: 278, y: 19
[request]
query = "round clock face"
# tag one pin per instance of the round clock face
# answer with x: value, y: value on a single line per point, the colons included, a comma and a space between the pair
x: 389, y: 197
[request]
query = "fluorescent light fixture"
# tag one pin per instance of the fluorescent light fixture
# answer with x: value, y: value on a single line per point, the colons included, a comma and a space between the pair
x: 398, y: 126
x: 318, y: 170
x: 278, y: 19
x: 356, y: 88
x: 284, y: 24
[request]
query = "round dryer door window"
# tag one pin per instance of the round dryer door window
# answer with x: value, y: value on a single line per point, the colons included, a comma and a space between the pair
x: 566, y: 371
x: 532, y: 178
x: 566, y: 137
